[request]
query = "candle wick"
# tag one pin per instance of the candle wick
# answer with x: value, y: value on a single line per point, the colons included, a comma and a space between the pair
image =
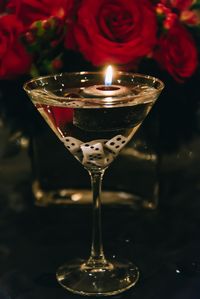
x: 108, y: 83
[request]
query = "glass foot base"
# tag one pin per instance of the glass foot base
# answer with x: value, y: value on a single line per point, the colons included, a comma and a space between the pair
x: 115, y: 278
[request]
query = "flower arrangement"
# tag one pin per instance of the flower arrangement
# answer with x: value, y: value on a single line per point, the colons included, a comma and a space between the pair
x: 37, y: 36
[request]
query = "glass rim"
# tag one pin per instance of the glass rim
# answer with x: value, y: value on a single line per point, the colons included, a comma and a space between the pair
x: 158, y: 89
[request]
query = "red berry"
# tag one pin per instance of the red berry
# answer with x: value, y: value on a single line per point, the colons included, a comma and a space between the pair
x: 30, y: 38
x: 57, y: 64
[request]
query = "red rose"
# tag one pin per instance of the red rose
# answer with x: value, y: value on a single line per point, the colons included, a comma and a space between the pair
x: 177, y: 53
x: 190, y: 17
x: 14, y: 60
x: 181, y: 4
x: 113, y: 31
x: 30, y: 11
x: 178, y: 4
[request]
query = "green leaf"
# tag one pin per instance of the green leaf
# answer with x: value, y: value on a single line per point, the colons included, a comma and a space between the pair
x: 196, y: 5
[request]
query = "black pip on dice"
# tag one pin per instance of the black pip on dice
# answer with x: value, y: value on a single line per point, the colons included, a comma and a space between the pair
x: 100, y: 152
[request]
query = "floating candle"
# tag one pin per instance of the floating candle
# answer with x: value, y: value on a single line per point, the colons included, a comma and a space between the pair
x: 106, y: 90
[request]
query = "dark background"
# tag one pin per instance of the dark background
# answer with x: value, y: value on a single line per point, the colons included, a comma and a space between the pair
x: 164, y: 243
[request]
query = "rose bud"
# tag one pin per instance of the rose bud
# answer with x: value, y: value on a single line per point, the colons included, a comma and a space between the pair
x: 190, y: 17
x: 46, y: 24
x: 29, y: 37
x: 57, y: 64
x: 170, y: 20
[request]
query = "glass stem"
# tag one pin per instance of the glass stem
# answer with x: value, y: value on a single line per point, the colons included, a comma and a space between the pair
x: 97, y: 258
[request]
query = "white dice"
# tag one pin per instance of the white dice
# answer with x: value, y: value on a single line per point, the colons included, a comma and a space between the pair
x: 99, y: 152
x: 116, y: 143
x: 93, y: 153
x: 72, y: 144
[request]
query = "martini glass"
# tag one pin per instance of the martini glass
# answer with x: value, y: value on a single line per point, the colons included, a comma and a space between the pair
x: 94, y: 128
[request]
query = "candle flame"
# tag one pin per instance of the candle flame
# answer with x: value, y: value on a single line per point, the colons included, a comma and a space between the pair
x: 108, y: 76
